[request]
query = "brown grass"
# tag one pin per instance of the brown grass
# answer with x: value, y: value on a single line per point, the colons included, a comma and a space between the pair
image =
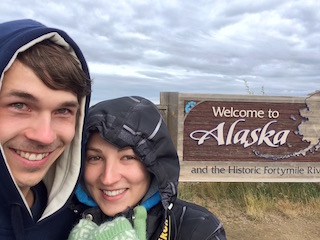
x: 260, y: 211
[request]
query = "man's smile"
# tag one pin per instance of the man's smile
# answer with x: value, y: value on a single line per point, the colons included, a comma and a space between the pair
x: 32, y: 156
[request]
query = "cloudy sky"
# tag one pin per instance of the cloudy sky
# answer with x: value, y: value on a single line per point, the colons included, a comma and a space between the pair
x: 140, y: 47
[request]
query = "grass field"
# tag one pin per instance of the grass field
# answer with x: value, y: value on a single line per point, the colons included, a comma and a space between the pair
x: 261, y: 211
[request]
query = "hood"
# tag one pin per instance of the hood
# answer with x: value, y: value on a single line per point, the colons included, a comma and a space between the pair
x: 61, y: 179
x: 136, y: 122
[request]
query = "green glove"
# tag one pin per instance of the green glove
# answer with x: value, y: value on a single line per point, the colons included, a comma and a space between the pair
x: 83, y: 230
x: 139, y: 222
x: 118, y: 229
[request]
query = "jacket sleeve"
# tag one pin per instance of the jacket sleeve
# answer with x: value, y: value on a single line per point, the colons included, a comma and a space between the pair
x: 197, y: 223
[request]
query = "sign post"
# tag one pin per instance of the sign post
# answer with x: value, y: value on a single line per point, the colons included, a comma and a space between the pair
x: 245, y: 138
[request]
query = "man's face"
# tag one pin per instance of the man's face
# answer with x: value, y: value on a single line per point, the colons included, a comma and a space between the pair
x: 36, y: 124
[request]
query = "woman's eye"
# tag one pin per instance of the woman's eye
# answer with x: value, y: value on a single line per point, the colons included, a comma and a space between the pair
x: 130, y: 157
x: 93, y: 158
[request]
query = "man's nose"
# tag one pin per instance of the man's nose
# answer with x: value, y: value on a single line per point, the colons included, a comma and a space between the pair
x: 41, y: 130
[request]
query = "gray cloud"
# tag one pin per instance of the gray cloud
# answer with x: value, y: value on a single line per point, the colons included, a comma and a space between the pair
x: 145, y: 47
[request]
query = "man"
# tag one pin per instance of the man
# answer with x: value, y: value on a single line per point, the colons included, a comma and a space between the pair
x: 44, y: 95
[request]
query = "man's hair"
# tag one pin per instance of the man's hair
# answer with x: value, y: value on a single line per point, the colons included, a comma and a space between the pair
x: 56, y: 67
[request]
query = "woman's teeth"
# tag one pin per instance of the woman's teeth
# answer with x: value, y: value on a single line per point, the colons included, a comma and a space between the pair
x: 113, y: 193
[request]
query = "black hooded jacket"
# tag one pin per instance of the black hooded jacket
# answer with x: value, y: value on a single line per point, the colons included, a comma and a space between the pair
x: 136, y: 122
x: 16, y: 219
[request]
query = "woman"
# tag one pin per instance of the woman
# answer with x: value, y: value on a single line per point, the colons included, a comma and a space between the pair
x: 132, y: 170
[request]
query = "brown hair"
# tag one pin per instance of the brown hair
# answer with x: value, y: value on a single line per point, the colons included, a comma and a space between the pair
x: 56, y: 67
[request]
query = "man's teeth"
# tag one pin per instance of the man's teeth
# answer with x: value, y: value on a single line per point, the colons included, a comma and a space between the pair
x: 113, y: 193
x: 32, y: 156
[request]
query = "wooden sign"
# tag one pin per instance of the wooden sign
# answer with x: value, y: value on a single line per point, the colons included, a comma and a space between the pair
x: 245, y: 138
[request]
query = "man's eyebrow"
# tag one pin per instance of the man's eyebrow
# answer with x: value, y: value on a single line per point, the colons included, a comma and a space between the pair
x: 70, y: 104
x: 30, y: 97
x: 22, y: 94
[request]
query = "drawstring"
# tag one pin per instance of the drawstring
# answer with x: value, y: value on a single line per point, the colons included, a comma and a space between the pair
x: 184, y: 209
x: 174, y: 223
x: 170, y: 221
x: 17, y: 222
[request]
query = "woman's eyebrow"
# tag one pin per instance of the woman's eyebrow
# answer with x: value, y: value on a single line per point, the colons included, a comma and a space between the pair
x: 125, y: 149
x: 93, y: 149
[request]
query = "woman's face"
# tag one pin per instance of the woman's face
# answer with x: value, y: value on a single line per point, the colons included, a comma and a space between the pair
x: 115, y: 178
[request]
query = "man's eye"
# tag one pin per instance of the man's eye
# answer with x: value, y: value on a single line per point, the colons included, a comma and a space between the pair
x: 64, y: 111
x: 20, y: 106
